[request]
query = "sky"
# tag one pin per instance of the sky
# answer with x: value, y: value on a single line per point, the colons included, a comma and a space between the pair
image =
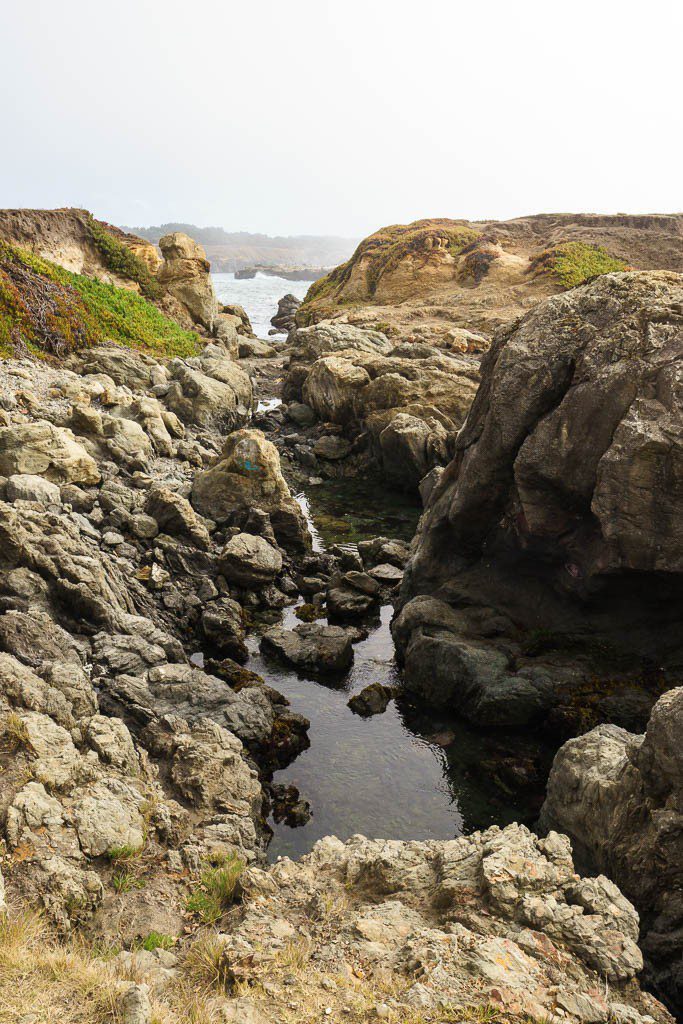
x: 339, y: 117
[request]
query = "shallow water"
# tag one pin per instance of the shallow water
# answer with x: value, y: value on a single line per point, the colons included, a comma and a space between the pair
x: 407, y: 773
x: 259, y: 296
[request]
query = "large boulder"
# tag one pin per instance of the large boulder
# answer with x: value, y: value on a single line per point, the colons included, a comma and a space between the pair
x: 247, y: 475
x: 620, y: 799
x: 41, y: 449
x: 312, y: 646
x: 185, y: 273
x: 200, y: 395
x: 250, y: 561
x: 559, y: 517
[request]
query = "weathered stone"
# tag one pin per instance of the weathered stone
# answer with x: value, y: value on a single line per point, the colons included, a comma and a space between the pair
x: 42, y: 449
x: 249, y: 561
x: 312, y: 646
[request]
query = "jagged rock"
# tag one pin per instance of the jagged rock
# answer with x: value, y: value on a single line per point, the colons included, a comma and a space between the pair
x: 249, y: 560
x: 497, y: 916
x: 408, y: 399
x: 42, y: 449
x: 620, y: 799
x: 175, y: 515
x: 312, y: 646
x: 185, y: 273
x: 223, y: 625
x: 247, y: 476
x: 286, y: 310
x: 525, y: 524
x: 380, y: 550
x: 123, y: 365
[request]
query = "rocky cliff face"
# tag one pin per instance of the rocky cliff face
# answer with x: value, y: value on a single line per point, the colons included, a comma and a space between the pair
x: 620, y: 798
x: 422, y: 279
x: 558, y: 523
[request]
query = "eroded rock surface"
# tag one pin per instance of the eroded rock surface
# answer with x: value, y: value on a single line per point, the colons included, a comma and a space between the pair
x: 554, y: 535
x: 620, y: 798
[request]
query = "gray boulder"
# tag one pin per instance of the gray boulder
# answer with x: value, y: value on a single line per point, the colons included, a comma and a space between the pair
x: 250, y: 561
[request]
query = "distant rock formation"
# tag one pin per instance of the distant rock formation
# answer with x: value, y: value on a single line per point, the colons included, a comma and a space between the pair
x: 420, y: 279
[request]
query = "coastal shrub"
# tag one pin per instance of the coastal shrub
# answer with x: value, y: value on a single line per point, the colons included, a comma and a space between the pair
x: 574, y: 263
x: 121, y: 260
x: 48, y: 311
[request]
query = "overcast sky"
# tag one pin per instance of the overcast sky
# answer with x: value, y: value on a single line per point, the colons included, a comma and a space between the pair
x: 339, y: 116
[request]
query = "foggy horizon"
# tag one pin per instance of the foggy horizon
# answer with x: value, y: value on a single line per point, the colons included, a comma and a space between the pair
x: 316, y: 120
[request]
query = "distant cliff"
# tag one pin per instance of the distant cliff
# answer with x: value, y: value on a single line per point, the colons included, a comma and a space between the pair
x: 238, y: 250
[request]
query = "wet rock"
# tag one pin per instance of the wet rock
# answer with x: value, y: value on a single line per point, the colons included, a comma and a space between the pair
x: 223, y: 626
x: 289, y: 806
x: 248, y: 560
x: 352, y: 595
x: 331, y: 447
x: 286, y: 310
x: 372, y: 700
x: 311, y: 646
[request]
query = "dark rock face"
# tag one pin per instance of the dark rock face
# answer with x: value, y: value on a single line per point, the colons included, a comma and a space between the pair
x: 560, y: 514
x: 286, y: 311
x: 620, y: 799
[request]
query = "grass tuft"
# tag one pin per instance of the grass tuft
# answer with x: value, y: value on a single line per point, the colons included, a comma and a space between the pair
x: 216, y: 890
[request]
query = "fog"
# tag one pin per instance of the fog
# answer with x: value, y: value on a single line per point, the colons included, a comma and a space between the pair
x: 321, y: 117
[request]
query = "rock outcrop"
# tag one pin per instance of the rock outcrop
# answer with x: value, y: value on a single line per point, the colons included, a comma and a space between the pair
x: 440, y: 279
x: 284, y: 320
x: 497, y: 919
x: 550, y: 552
x: 185, y: 273
x: 406, y: 400
x: 620, y: 798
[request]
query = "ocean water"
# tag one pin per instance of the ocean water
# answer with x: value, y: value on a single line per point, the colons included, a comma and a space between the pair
x: 259, y: 296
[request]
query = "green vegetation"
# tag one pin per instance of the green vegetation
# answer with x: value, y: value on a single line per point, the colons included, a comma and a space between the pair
x: 384, y: 250
x: 48, y: 311
x: 126, y: 880
x: 216, y: 890
x: 574, y: 263
x: 122, y: 260
x: 157, y: 940
x: 123, y: 853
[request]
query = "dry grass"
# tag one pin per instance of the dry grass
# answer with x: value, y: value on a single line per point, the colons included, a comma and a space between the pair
x: 48, y: 982
x: 15, y: 734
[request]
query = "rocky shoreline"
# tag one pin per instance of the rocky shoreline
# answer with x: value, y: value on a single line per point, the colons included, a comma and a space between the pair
x: 148, y: 529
